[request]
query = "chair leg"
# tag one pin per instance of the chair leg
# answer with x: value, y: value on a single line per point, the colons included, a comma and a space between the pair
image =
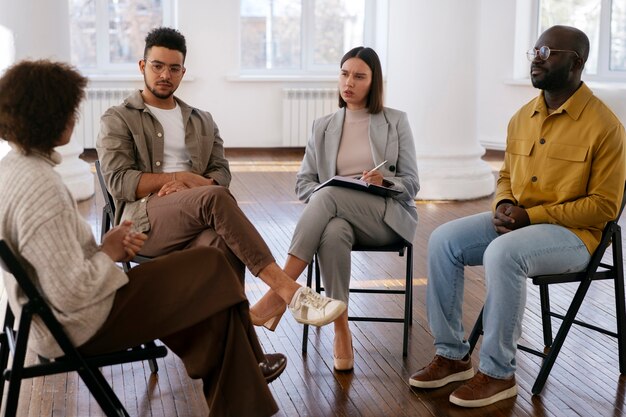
x: 305, y: 328
x: 408, y: 300
x: 568, y: 320
x: 154, y: 366
x: 476, y: 332
x: 5, y: 350
x: 620, y: 304
x: 318, y: 274
x: 546, y: 319
x: 102, y: 392
x: 409, y: 271
x: 17, y: 367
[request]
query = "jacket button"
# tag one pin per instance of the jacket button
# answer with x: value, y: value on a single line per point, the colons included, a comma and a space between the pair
x: 534, y: 179
x: 392, y: 168
x: 157, y: 163
x: 542, y: 141
x: 159, y: 134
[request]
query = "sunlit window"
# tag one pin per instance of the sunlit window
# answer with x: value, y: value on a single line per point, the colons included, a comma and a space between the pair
x: 604, y: 22
x: 302, y: 36
x: 108, y: 35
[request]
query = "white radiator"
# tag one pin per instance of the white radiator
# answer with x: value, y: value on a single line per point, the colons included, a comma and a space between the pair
x: 300, y: 107
x: 96, y: 102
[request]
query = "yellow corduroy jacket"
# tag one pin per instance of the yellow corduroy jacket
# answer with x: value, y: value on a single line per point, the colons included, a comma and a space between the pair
x: 566, y: 168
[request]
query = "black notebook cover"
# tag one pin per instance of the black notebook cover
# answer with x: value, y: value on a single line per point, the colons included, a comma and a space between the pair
x: 357, y: 184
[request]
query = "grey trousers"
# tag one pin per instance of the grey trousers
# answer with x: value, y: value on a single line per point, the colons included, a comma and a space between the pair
x: 334, y: 220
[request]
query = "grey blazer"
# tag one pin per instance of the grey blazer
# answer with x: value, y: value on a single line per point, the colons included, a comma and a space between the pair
x: 390, y: 139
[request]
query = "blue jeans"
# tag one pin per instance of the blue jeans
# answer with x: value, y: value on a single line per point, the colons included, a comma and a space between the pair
x: 508, y: 260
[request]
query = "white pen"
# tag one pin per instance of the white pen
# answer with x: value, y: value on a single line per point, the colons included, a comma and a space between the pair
x: 375, y: 168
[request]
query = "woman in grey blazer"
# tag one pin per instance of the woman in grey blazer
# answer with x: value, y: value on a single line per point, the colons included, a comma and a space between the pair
x: 350, y: 142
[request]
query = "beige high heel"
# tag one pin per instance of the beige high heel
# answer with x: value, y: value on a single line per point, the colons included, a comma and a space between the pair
x: 345, y: 364
x: 271, y: 320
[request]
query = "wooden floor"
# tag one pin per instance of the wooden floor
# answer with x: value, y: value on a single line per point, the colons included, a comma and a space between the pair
x: 584, y: 382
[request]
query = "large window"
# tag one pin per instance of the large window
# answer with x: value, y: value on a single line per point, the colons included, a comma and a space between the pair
x: 108, y: 35
x: 302, y: 36
x: 604, y: 22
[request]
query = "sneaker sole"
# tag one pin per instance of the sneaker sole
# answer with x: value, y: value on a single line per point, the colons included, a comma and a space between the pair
x: 322, y: 322
x: 459, y: 376
x: 502, y: 395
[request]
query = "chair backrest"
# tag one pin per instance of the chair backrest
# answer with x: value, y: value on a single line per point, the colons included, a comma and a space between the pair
x: 108, y: 210
x: 607, y: 238
x: 36, y: 304
x: 108, y: 215
x: 9, y: 263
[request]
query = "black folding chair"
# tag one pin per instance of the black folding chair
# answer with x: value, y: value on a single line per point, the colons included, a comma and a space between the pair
x: 595, y: 271
x: 15, y: 342
x: 401, y: 247
x: 108, y: 217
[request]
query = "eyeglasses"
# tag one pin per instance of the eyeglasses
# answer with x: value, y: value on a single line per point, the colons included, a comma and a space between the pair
x: 544, y: 53
x: 158, y: 67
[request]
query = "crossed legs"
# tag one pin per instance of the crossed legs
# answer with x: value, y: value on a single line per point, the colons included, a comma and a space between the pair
x: 331, y: 223
x: 210, y: 215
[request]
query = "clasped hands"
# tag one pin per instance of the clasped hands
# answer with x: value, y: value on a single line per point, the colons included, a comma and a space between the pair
x: 184, y: 180
x: 509, y: 217
x: 122, y: 243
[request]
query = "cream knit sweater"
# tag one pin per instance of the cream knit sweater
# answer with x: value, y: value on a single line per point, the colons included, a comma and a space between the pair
x: 39, y: 220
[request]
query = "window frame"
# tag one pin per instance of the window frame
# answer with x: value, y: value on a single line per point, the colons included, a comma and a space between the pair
x: 528, y: 22
x: 374, y: 36
x: 103, y: 61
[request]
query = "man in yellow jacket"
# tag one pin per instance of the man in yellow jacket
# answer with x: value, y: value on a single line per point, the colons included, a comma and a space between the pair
x: 562, y: 180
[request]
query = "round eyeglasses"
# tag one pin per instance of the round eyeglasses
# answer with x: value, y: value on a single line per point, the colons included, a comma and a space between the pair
x: 543, y: 53
x: 158, y: 67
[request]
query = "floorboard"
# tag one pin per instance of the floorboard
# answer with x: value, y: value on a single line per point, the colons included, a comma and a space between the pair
x: 584, y: 381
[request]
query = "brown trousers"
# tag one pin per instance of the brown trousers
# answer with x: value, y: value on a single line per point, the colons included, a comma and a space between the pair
x: 192, y: 301
x: 205, y: 216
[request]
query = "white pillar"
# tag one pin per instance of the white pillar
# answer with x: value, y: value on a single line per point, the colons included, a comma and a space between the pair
x: 7, y: 57
x: 41, y: 31
x: 432, y: 64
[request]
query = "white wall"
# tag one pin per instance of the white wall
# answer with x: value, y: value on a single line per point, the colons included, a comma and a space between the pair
x: 498, y: 98
x: 249, y: 113
x: 499, y: 95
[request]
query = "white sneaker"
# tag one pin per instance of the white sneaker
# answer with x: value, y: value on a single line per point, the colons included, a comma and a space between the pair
x: 309, y: 307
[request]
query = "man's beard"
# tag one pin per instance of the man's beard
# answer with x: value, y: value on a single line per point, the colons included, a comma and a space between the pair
x: 554, y: 80
x: 155, y: 92
x: 161, y: 95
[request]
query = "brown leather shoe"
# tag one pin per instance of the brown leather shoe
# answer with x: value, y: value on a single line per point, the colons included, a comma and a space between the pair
x: 442, y: 371
x: 483, y: 390
x: 273, y: 365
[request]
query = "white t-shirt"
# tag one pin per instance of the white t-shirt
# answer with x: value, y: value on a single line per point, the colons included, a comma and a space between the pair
x: 175, y: 154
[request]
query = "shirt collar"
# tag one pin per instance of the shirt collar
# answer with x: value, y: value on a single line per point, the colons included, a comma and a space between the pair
x: 574, y: 105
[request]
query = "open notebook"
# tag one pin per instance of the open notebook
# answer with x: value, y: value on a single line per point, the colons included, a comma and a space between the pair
x: 357, y: 184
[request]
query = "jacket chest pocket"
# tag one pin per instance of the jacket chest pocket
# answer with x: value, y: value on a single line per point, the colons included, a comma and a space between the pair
x: 566, y: 168
x: 519, y: 160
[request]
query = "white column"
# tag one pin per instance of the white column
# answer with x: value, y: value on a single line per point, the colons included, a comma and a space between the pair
x: 432, y: 64
x: 41, y: 31
x: 7, y: 57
